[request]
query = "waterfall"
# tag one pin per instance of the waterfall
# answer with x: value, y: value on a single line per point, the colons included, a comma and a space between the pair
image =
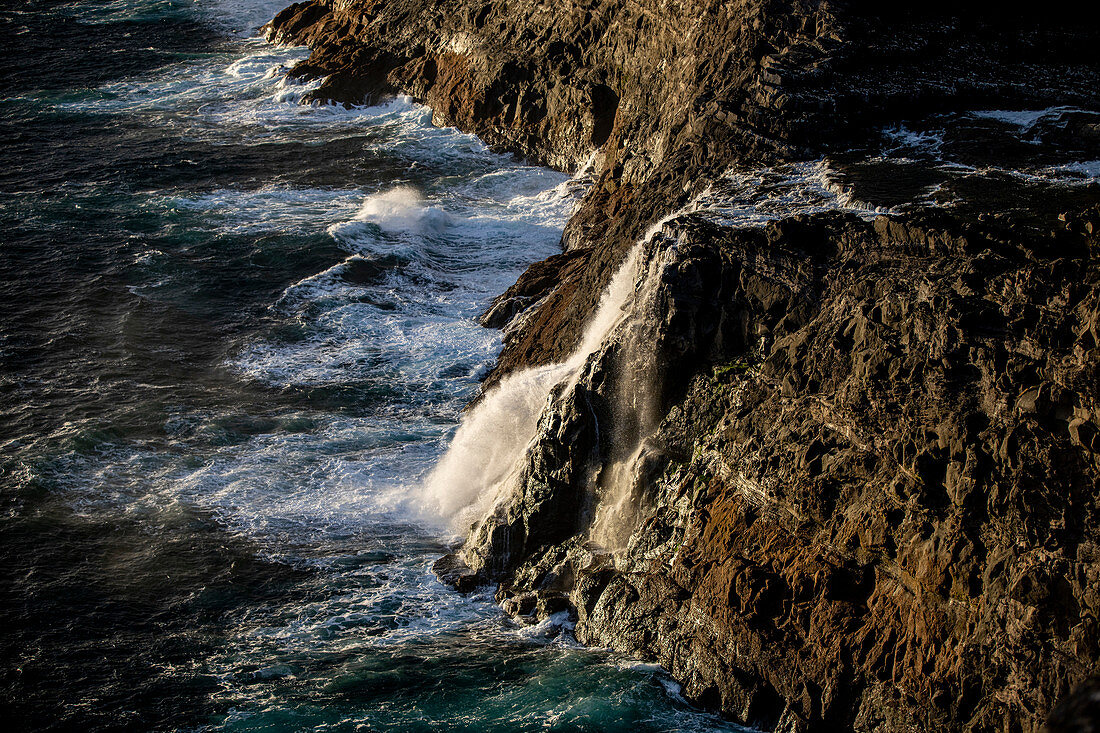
x: 636, y: 386
x: 487, y: 454
x: 488, y: 449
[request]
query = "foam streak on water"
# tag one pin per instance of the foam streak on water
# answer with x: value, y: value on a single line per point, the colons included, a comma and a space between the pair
x: 755, y: 197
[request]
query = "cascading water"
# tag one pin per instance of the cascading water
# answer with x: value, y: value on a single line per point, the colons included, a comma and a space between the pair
x: 636, y: 385
x: 484, y: 463
x: 487, y: 452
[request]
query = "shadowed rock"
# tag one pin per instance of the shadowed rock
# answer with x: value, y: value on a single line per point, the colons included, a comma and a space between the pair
x: 870, y: 502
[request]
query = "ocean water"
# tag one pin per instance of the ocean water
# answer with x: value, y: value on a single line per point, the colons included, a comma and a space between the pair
x: 236, y: 334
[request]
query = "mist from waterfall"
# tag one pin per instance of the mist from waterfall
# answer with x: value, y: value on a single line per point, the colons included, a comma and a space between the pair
x: 636, y: 410
x: 487, y: 451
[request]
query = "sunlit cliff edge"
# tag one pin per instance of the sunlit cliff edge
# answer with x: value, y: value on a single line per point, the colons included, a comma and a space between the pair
x: 835, y: 467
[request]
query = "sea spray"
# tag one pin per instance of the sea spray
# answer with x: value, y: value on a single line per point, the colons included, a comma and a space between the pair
x: 488, y: 449
x: 399, y: 209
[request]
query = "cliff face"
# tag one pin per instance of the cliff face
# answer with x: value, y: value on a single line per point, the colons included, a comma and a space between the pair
x: 876, y: 509
x: 662, y: 97
x: 831, y: 473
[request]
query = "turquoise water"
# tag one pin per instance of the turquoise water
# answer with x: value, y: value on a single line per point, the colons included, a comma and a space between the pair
x: 236, y: 334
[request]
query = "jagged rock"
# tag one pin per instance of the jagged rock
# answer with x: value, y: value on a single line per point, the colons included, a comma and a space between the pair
x: 549, y: 499
x: 533, y: 286
x: 872, y: 511
x: 669, y: 97
x: 452, y: 570
x: 869, y: 500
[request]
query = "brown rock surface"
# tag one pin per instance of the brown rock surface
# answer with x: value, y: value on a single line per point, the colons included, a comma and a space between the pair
x: 873, y: 512
x: 669, y: 95
x: 871, y: 502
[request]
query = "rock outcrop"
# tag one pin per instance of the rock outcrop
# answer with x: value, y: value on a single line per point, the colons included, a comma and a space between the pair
x: 833, y: 474
x: 876, y: 507
x: 668, y: 95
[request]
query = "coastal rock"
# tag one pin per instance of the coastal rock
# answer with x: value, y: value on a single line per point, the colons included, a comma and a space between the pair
x: 661, y: 99
x: 452, y: 570
x: 536, y: 284
x: 872, y: 511
x: 862, y: 491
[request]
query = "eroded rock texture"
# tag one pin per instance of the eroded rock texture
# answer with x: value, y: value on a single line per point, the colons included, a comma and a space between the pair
x: 669, y: 94
x: 878, y: 509
x: 873, y: 507
x: 863, y: 492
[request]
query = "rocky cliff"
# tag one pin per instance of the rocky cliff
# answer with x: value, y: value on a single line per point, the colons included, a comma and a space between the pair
x: 874, y: 508
x: 833, y: 472
x: 668, y: 95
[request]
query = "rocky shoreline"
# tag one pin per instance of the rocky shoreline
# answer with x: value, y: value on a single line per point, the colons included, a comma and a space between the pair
x: 833, y: 472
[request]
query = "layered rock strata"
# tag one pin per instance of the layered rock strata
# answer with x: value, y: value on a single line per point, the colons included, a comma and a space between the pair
x: 860, y: 491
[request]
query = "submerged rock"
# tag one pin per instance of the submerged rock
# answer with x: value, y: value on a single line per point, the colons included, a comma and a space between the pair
x: 453, y: 570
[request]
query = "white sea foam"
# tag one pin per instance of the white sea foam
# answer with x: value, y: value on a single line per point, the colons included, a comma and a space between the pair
x: 1085, y: 171
x: 401, y: 210
x: 270, y: 208
x: 550, y: 627
x: 441, y: 251
x: 1024, y: 119
x: 930, y: 147
x: 242, y: 17
x: 324, y: 499
x: 1079, y: 173
x: 249, y: 99
x: 340, y: 480
x: 314, y: 495
x: 416, y: 322
x: 902, y: 141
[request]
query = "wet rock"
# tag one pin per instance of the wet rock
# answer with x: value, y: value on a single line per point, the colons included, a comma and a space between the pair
x: 453, y: 571
x: 534, y: 285
x: 869, y: 497
x: 865, y: 520
x: 662, y: 100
